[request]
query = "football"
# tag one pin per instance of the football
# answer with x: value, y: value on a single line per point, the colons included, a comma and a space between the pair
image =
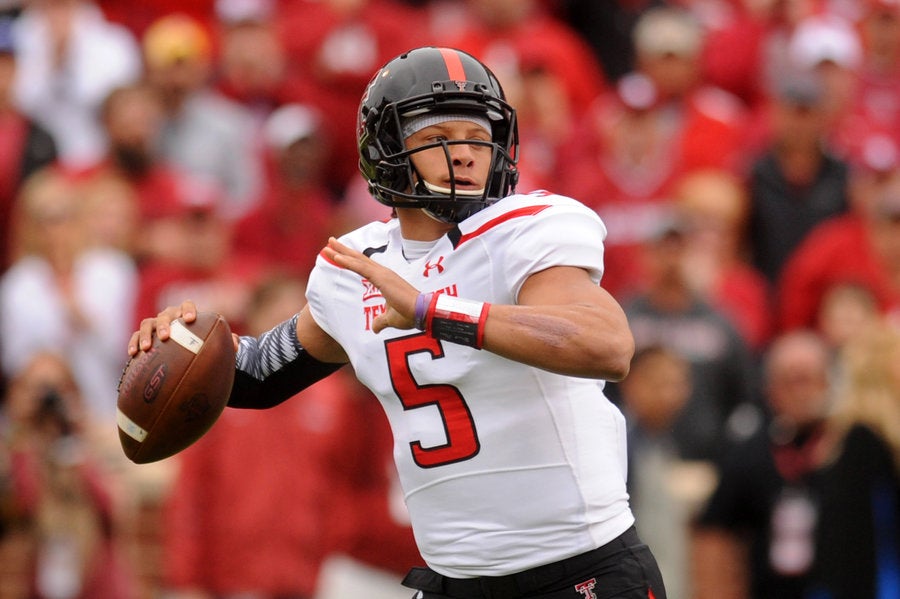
x: 170, y: 395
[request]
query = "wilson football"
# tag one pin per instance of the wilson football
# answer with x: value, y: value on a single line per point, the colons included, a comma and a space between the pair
x: 171, y: 394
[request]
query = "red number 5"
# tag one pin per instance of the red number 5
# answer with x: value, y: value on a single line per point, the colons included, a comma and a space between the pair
x: 462, y: 438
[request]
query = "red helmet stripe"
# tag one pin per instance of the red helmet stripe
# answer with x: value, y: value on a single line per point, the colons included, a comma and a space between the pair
x: 454, y: 64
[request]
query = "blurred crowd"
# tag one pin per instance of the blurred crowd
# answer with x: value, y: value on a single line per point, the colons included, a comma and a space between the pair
x: 744, y: 155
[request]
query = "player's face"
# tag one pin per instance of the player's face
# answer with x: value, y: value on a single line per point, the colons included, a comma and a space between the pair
x: 471, y: 163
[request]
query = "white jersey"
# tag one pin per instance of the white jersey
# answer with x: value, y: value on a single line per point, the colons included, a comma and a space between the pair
x: 503, y: 466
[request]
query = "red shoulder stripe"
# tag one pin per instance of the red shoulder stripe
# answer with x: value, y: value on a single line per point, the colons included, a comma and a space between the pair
x: 526, y: 211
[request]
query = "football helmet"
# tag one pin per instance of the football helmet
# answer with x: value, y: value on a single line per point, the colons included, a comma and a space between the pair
x: 425, y: 81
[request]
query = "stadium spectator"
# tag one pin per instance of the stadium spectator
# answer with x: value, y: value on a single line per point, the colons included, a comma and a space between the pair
x: 65, y: 296
x: 876, y: 106
x: 746, y: 51
x: 251, y: 64
x: 374, y: 544
x: 818, y: 495
x: 862, y: 247
x: 669, y: 42
x: 203, y: 132
x: 62, y: 529
x: 714, y: 206
x: 110, y: 214
x: 332, y: 48
x: 608, y: 28
x: 756, y: 536
x: 846, y: 309
x: 208, y: 543
x: 664, y: 489
x: 199, y: 258
x: 661, y: 122
x: 548, y: 71
x: 25, y: 146
x: 515, y: 36
x: 297, y: 211
x: 133, y: 119
x: 723, y: 373
x: 624, y: 165
x: 795, y: 182
x: 830, y: 48
x: 857, y: 545
x: 70, y: 57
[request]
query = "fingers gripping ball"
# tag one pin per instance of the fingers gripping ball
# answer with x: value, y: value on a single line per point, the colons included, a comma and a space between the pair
x: 171, y: 394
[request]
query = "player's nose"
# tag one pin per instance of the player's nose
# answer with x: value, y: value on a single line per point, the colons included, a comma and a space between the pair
x: 462, y: 154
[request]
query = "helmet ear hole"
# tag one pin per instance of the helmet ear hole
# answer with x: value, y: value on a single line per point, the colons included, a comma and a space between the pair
x: 384, y: 172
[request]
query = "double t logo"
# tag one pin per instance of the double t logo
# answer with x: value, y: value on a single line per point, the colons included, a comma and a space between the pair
x: 586, y: 588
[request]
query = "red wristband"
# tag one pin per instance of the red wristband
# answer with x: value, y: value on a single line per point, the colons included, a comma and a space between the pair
x: 457, y: 320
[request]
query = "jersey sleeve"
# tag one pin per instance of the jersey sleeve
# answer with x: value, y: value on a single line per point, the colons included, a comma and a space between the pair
x: 319, y: 287
x: 569, y: 234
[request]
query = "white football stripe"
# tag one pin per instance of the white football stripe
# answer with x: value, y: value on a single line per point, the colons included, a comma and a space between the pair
x: 183, y: 337
x: 130, y: 427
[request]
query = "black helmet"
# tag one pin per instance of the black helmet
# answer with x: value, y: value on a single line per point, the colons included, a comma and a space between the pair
x: 433, y: 80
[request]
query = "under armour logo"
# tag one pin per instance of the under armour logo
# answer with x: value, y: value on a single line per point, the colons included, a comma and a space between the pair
x: 461, y: 85
x: 437, y: 265
x: 586, y: 588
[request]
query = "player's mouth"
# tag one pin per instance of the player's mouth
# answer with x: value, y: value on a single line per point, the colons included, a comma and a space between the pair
x: 464, y: 187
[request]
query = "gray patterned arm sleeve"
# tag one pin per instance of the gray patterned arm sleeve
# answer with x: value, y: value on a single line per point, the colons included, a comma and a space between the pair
x: 274, y: 367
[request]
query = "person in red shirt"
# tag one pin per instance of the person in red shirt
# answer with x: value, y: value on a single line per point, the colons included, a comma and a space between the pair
x: 549, y: 71
x: 875, y: 108
x: 296, y: 213
x: 332, y: 46
x: 251, y: 65
x: 661, y: 122
x: 197, y: 258
x: 746, y: 50
x: 513, y: 36
x: 234, y: 527
x: 624, y: 166
x: 714, y: 206
x: 861, y: 247
x: 669, y: 44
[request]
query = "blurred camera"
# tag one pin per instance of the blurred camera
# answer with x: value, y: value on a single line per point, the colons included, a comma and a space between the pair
x: 52, y: 410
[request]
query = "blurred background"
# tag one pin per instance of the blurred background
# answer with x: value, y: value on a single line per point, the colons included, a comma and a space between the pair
x: 744, y: 154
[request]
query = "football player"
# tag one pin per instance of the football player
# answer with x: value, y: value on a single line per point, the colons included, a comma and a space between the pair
x: 476, y: 316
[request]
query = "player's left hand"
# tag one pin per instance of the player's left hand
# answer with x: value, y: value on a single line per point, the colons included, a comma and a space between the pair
x: 399, y: 295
